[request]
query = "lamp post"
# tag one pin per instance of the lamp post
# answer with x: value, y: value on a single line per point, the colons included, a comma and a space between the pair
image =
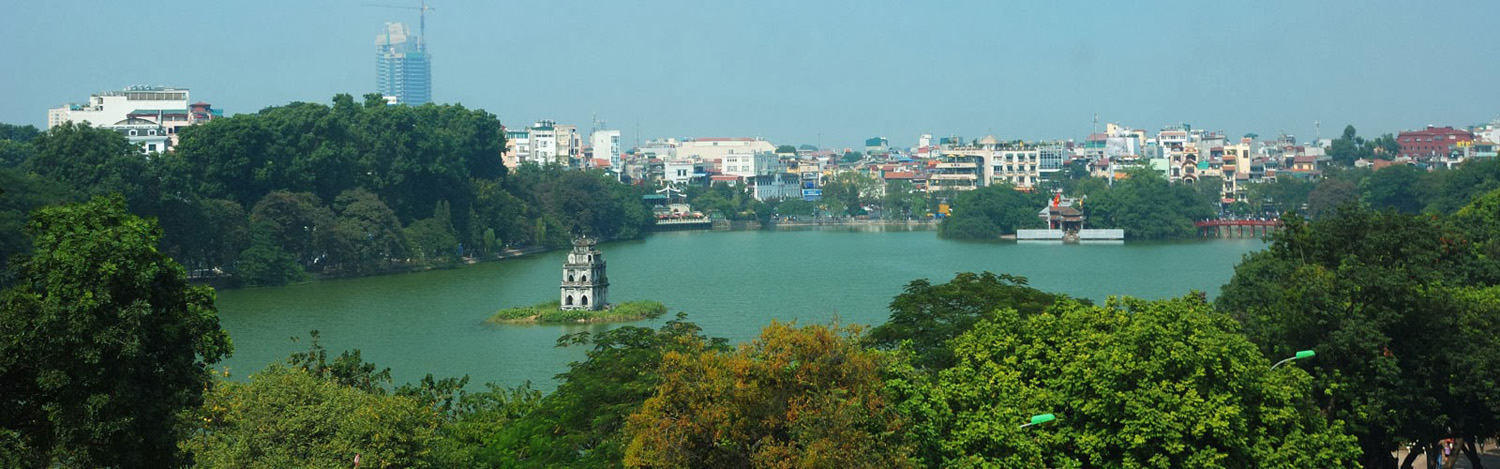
x: 1298, y: 356
x: 1039, y: 419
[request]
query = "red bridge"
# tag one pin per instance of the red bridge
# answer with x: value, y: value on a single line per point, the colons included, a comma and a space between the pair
x: 1239, y: 228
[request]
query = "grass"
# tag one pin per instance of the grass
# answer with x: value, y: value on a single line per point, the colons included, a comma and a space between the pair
x: 551, y: 313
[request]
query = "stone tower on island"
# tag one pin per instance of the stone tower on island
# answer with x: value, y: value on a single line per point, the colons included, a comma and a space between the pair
x: 584, y: 285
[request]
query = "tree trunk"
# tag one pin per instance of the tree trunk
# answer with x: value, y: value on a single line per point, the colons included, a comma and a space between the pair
x: 1472, y: 453
x: 1451, y: 459
x: 1411, y: 456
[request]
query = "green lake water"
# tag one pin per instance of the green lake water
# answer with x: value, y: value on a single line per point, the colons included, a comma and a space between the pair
x: 730, y: 283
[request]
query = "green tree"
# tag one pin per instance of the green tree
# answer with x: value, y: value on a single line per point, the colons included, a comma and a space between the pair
x: 1133, y: 384
x: 104, y: 342
x: 1329, y: 195
x: 265, y: 263
x: 288, y: 417
x: 1393, y: 187
x: 15, y: 144
x: 20, y: 194
x: 1147, y: 206
x: 925, y: 317
x: 582, y: 423
x: 1375, y: 294
x: 433, y: 238
x: 988, y: 212
x: 794, y: 397
x: 366, y: 234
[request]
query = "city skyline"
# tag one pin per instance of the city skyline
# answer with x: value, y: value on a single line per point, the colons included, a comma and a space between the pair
x: 820, y: 74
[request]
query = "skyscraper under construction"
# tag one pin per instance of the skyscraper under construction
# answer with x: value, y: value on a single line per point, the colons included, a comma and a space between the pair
x: 403, y: 70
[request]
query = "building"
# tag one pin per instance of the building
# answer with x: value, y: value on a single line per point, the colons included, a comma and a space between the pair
x: 543, y: 139
x: 606, y: 144
x: 957, y: 170
x: 403, y: 70
x: 517, y: 147
x: 109, y: 107
x: 585, y: 287
x: 713, y: 150
x: 684, y: 171
x: 1431, y: 142
x: 569, y: 144
x: 877, y: 146
x: 149, y: 116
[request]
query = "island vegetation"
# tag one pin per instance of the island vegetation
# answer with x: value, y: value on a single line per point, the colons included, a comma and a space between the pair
x: 551, y: 312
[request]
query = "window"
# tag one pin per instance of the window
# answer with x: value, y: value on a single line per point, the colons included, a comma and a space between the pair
x: 132, y: 133
x: 152, y: 147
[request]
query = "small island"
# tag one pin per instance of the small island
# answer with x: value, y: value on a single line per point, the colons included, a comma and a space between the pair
x: 583, y: 297
x: 551, y: 312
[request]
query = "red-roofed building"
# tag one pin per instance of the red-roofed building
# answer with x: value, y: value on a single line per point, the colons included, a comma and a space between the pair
x: 1432, y: 141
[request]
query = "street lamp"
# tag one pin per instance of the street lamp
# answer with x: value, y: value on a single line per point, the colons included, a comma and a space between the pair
x: 1298, y: 356
x: 1038, y: 419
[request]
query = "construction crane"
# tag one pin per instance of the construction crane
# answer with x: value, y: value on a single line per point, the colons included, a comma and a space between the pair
x: 421, y: 25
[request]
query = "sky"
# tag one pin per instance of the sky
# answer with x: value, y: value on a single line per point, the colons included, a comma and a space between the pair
x: 828, y: 73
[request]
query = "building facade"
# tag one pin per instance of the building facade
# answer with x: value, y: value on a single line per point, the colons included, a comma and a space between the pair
x: 149, y: 116
x: 1431, y: 141
x: 585, y: 286
x: 606, y: 144
x: 403, y: 70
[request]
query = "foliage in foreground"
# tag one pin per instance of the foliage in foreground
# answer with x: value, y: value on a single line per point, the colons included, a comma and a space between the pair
x: 1134, y: 383
x: 793, y: 397
x: 582, y: 423
x: 102, y: 344
x: 1401, y: 310
x: 925, y: 317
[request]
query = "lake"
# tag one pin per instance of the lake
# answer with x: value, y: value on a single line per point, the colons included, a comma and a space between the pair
x: 730, y: 283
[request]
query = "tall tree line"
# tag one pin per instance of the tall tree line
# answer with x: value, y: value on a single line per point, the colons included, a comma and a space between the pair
x: 344, y: 189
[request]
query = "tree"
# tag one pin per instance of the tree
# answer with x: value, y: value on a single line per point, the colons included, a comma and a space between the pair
x: 366, y: 235
x: 15, y: 144
x: 1328, y: 196
x: 20, y: 194
x: 265, y: 263
x: 288, y: 417
x: 1133, y: 384
x: 582, y: 423
x: 783, y: 149
x: 103, y: 342
x: 925, y: 317
x: 1383, y: 298
x: 794, y: 397
x: 1148, y: 206
x: 1348, y: 148
x: 1393, y: 187
x: 991, y: 211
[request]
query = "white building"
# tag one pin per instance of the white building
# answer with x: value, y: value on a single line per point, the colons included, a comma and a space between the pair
x: 543, y: 140
x: 606, y: 145
x: 148, y: 115
x: 109, y: 107
x: 683, y: 171
x: 715, y: 149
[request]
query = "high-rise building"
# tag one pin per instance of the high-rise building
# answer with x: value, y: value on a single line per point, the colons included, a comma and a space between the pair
x: 606, y: 145
x: 403, y: 70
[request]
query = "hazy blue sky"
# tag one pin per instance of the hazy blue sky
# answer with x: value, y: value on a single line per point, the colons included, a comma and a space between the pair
x: 791, y: 71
